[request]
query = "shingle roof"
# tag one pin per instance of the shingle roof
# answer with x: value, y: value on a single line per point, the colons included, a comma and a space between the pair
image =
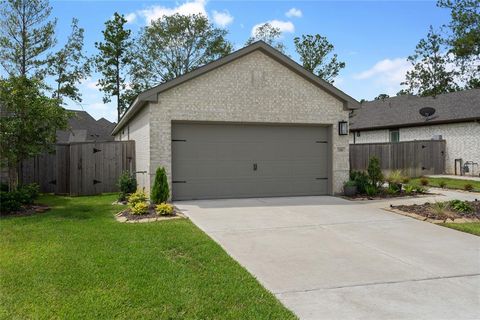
x: 403, y: 111
x: 84, y: 128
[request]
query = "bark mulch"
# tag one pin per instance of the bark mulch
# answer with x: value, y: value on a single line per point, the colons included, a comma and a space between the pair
x: 26, y: 210
x: 427, y: 212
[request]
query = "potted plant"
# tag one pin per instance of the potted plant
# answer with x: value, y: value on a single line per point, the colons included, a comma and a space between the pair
x: 350, y: 188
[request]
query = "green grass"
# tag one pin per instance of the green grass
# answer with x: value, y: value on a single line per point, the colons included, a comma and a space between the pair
x: 76, y: 261
x: 471, y: 227
x: 451, y: 183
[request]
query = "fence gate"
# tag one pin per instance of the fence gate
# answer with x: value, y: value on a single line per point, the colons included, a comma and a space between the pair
x: 414, y: 158
x: 85, y: 168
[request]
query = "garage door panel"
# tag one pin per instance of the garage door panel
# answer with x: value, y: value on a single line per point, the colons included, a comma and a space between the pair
x: 218, y: 161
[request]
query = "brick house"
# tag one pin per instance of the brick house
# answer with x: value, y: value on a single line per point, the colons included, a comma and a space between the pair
x: 456, y: 119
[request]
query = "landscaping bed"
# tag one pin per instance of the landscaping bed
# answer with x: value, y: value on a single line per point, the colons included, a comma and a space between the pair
x: 26, y: 210
x: 150, y: 215
x: 454, y: 211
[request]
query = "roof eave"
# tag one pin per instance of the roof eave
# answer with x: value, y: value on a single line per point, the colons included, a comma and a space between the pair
x: 414, y: 124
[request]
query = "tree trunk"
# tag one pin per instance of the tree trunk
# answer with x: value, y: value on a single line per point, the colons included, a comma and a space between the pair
x: 13, y: 177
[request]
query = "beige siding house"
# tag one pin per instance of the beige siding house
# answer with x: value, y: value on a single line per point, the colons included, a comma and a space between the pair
x: 456, y: 119
x: 253, y: 123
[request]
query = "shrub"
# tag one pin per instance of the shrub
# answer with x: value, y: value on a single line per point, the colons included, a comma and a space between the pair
x: 393, y: 189
x: 127, y: 185
x: 374, y: 171
x: 405, y: 180
x: 160, y: 191
x: 468, y: 187
x: 440, y: 208
x: 461, y: 206
x: 3, y: 187
x: 28, y: 193
x: 164, y: 209
x: 9, y: 201
x: 371, y: 190
x: 350, y: 183
x: 409, y: 189
x: 394, y: 180
x: 442, y: 184
x: 137, y: 197
x: 424, y: 181
x: 140, y: 208
x: 361, y: 180
x: 420, y: 189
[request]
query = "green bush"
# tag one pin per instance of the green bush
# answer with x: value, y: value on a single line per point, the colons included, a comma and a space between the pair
x: 440, y: 208
x: 164, y: 209
x: 371, y: 190
x: 461, y: 206
x: 361, y: 180
x: 127, y: 185
x: 468, y: 187
x: 3, y: 187
x: 29, y: 193
x: 350, y: 183
x: 394, y: 180
x: 140, y: 208
x: 405, y: 180
x: 375, y: 172
x: 442, y: 184
x: 393, y: 189
x: 420, y: 189
x: 10, y: 201
x: 409, y: 189
x: 424, y: 181
x: 137, y: 197
x: 160, y: 191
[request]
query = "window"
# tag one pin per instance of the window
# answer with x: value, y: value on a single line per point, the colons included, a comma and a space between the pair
x: 394, y: 135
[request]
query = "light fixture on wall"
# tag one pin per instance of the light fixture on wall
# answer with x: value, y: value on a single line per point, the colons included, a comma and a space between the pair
x: 343, y: 128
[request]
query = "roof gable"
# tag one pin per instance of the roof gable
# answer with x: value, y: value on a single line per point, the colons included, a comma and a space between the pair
x: 151, y: 95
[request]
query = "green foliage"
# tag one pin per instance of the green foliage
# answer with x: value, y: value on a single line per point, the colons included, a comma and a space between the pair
x: 442, y: 184
x: 430, y: 75
x: 164, y: 209
x: 371, y: 190
x: 440, y: 208
x: 174, y: 45
x: 139, y: 208
x: 405, y: 179
x: 160, y: 191
x: 350, y: 183
x: 28, y: 124
x: 30, y: 192
x: 409, y: 189
x: 393, y: 189
x: 268, y: 34
x: 69, y: 66
x: 314, y: 51
x: 361, y: 180
x: 424, y: 181
x: 127, y: 185
x: 14, y: 200
x: 461, y: 206
x: 468, y: 187
x: 374, y: 172
x: 420, y: 189
x: 381, y: 96
x: 26, y: 35
x: 112, y: 61
x: 137, y: 197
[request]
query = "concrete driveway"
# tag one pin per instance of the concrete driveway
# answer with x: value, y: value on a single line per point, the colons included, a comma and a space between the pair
x: 329, y: 258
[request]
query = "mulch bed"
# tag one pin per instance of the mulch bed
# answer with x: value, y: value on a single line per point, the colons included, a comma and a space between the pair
x: 427, y: 212
x: 26, y: 211
x: 385, y: 195
x: 127, y: 216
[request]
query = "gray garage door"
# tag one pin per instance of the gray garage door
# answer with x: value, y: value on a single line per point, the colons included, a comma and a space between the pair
x: 233, y: 161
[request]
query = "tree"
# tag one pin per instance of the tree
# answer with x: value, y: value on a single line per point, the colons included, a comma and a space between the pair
x: 112, y: 61
x: 28, y: 123
x: 313, y: 51
x: 268, y: 34
x: 430, y: 75
x: 26, y: 34
x: 174, y: 45
x: 381, y: 96
x: 160, y: 191
x: 69, y: 66
x: 464, y: 38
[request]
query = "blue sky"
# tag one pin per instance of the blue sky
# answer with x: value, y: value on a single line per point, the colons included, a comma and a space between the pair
x: 372, y: 37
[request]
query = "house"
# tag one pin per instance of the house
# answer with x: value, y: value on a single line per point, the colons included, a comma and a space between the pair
x: 251, y: 124
x: 454, y: 117
x: 82, y: 127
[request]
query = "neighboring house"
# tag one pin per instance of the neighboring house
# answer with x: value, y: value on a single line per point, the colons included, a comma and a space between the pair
x: 251, y: 124
x: 82, y: 127
x: 456, y: 120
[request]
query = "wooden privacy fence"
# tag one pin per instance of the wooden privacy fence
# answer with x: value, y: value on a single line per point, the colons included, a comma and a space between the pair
x: 84, y: 168
x: 414, y: 158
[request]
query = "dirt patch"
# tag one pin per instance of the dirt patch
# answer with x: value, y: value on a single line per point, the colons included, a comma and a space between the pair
x: 428, y: 212
x: 127, y: 216
x: 27, y: 210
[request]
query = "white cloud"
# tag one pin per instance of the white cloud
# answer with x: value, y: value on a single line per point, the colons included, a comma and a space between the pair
x: 389, y: 70
x: 131, y: 17
x: 187, y: 8
x: 294, y: 12
x: 223, y: 19
x: 284, y: 26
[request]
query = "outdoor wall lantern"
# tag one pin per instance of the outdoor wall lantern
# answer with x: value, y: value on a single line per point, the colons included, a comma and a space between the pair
x: 343, y: 128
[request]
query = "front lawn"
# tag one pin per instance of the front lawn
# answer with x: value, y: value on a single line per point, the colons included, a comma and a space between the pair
x: 472, y: 227
x: 451, y: 183
x: 76, y: 261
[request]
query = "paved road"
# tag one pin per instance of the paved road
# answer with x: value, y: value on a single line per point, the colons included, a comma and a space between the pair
x: 329, y: 258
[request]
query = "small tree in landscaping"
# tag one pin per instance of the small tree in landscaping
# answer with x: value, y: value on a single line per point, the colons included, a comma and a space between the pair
x: 127, y: 185
x: 160, y: 191
x: 375, y: 172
